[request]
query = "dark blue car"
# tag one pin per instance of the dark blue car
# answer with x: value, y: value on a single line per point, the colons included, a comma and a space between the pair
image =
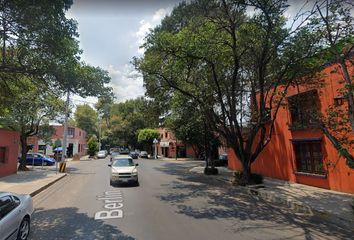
x: 39, y: 159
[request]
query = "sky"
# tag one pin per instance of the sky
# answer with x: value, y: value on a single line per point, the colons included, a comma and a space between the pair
x: 111, y: 33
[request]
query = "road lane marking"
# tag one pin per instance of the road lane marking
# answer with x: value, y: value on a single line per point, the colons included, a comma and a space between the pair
x: 113, y: 203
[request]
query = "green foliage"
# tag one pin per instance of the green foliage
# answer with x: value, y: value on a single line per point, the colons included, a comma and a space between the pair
x: 229, y: 64
x: 127, y: 118
x: 146, y: 137
x: 92, y: 145
x: 57, y: 143
x: 45, y: 133
x: 28, y: 109
x: 40, y: 43
x: 86, y: 118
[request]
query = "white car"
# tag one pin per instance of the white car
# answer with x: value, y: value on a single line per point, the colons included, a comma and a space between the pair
x: 123, y: 170
x: 101, y: 154
x: 15, y: 215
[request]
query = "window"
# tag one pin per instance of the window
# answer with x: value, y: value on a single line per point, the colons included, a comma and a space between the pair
x: 71, y: 132
x: 166, y: 134
x: 338, y: 101
x: 6, y: 206
x: 16, y: 200
x: 303, y: 109
x: 309, y: 158
x: 80, y: 133
x: 2, y: 154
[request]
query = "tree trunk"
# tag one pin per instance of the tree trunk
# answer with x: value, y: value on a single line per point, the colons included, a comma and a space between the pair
x: 246, y: 173
x: 24, y: 150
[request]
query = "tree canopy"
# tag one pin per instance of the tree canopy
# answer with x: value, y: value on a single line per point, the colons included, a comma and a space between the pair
x: 235, y: 66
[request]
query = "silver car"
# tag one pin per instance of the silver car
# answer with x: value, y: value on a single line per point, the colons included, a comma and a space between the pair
x: 124, y: 170
x: 102, y: 154
x: 15, y: 215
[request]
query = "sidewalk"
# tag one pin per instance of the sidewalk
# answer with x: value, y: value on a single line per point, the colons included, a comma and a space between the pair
x: 326, y: 204
x: 34, y: 181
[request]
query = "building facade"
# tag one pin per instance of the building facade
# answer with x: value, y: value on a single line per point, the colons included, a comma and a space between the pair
x: 169, y: 145
x: 9, y: 148
x: 76, y: 141
x: 301, y: 153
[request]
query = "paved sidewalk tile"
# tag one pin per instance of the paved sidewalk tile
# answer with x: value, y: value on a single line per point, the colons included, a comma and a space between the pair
x: 327, y: 204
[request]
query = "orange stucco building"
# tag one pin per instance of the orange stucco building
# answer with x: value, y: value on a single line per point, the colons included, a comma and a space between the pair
x: 303, y: 154
x: 9, y: 148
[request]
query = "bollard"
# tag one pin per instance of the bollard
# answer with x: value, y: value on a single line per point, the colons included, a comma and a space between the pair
x: 62, y: 167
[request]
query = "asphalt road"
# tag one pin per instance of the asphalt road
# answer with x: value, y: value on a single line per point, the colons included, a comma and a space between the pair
x: 170, y: 203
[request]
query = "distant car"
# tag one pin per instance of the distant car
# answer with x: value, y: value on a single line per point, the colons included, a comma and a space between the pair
x: 39, y: 159
x: 134, y: 155
x: 15, y: 215
x: 101, y: 154
x: 222, y: 161
x: 144, y: 154
x: 114, y: 154
x: 124, y: 151
x: 123, y: 170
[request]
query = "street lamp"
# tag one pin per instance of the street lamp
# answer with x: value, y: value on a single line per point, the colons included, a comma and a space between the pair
x: 155, y: 143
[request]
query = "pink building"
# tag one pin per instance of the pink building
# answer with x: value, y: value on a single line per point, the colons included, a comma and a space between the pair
x: 76, y: 141
x: 9, y: 148
x: 169, y: 145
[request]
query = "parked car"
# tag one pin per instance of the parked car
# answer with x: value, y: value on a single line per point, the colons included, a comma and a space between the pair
x: 222, y: 161
x: 15, y: 215
x: 101, y: 154
x: 39, y: 159
x: 123, y: 170
x: 134, y: 155
x: 144, y: 154
x: 114, y: 154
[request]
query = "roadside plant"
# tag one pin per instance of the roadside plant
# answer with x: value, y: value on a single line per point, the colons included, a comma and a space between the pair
x: 92, y: 146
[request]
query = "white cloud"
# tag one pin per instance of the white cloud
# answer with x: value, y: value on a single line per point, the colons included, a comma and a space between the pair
x: 126, y: 82
x: 147, y: 25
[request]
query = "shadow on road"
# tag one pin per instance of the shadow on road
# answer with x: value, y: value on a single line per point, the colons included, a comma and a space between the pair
x: 68, y: 223
x: 204, y: 197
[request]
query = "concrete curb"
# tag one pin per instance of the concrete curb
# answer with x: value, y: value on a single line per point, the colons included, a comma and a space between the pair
x: 34, y: 193
x: 295, y: 206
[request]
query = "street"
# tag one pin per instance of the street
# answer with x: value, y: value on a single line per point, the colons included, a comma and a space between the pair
x: 170, y: 203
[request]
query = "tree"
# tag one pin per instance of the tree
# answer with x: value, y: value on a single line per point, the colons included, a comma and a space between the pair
x: 37, y: 40
x: 188, y: 124
x: 235, y: 67
x: 34, y: 37
x: 128, y: 117
x: 28, y: 110
x: 92, y: 145
x: 334, y: 22
x: 86, y: 118
x: 146, y: 137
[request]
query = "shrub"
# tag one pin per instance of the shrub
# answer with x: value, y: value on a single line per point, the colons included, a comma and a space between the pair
x: 92, y: 146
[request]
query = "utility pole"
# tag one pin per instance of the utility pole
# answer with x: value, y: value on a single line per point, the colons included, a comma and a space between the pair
x: 99, y: 134
x: 65, y: 135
